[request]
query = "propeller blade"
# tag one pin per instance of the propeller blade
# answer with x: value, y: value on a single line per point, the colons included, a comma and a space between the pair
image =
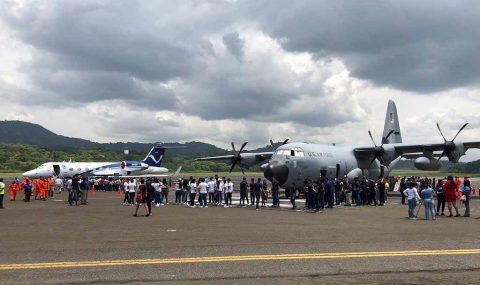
x: 440, y: 157
x: 233, y: 147
x: 385, y: 139
x: 371, y: 162
x: 371, y: 137
x: 285, y: 141
x: 382, y: 161
x: 271, y: 143
x: 243, y: 145
x: 438, y: 127
x: 233, y: 165
x: 461, y: 129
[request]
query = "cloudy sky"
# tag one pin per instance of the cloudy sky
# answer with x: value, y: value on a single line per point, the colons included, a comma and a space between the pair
x: 221, y: 71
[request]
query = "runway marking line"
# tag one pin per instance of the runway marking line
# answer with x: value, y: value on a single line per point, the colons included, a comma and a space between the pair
x: 301, y: 256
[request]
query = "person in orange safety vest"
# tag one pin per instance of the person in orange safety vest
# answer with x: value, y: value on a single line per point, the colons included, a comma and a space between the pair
x: 13, y: 189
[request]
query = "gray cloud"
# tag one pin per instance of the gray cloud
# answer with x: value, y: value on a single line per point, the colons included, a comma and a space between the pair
x: 234, y: 44
x: 162, y: 55
x: 422, y: 46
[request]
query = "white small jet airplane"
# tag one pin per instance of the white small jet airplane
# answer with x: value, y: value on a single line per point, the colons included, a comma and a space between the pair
x: 150, y: 166
x: 292, y: 163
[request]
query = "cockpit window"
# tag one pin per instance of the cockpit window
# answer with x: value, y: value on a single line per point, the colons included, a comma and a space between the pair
x: 296, y: 151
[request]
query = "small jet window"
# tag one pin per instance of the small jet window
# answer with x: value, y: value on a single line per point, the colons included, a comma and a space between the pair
x: 71, y: 169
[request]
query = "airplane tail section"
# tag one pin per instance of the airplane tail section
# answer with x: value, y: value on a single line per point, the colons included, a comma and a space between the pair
x: 155, y: 156
x: 392, y: 123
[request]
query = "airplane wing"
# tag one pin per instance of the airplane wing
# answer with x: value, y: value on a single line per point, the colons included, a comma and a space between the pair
x: 403, y: 148
x: 146, y: 175
x: 452, y: 150
x: 260, y: 156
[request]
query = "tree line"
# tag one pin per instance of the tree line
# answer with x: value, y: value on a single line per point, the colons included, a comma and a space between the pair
x: 22, y: 157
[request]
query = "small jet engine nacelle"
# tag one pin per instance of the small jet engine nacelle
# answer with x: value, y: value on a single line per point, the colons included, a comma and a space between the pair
x: 427, y: 163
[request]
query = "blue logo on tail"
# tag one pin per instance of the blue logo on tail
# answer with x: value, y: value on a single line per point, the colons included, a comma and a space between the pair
x: 155, y: 156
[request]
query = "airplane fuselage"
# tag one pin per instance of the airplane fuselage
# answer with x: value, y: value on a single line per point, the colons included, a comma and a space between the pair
x: 292, y: 163
x: 70, y: 169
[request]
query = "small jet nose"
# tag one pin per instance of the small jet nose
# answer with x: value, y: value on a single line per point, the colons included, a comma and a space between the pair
x: 277, y: 170
x: 27, y: 174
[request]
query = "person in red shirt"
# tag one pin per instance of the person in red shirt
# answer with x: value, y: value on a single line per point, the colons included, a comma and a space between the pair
x: 450, y: 189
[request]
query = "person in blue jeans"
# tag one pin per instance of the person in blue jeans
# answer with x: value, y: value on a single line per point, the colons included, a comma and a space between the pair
x: 412, y: 195
x: 428, y: 203
x: 275, y: 193
x: 467, y: 191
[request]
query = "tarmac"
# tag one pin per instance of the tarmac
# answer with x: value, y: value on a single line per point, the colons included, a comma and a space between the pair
x: 50, y: 242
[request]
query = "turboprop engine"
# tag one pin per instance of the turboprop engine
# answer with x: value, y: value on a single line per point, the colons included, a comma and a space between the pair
x: 427, y: 163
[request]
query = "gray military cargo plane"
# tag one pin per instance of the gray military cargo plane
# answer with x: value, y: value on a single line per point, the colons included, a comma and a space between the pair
x: 292, y: 163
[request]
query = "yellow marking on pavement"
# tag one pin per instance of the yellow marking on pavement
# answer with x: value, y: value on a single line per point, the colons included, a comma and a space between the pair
x: 302, y: 256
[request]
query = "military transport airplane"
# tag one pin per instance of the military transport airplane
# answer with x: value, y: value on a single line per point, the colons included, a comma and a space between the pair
x: 150, y: 166
x: 292, y: 163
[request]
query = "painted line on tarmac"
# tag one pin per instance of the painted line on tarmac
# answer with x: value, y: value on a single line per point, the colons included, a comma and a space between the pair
x: 240, y: 258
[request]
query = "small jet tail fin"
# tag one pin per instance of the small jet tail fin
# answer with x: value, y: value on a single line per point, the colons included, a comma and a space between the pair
x: 155, y: 156
x: 391, y: 123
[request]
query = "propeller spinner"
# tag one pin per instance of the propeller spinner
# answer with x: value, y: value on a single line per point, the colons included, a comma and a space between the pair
x: 448, y: 146
x: 237, y: 158
x: 379, y: 150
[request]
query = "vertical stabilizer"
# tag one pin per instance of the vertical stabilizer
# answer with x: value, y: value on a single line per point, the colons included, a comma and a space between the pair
x: 155, y: 156
x: 392, y: 123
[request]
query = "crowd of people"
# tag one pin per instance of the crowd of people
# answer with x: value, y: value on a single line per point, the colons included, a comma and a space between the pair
x: 321, y: 193
x: 448, y: 191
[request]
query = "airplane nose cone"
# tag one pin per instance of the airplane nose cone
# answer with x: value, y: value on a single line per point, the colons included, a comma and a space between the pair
x: 277, y: 170
x: 27, y: 174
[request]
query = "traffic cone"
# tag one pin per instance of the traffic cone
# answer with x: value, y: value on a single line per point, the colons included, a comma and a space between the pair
x: 93, y: 190
x: 119, y: 193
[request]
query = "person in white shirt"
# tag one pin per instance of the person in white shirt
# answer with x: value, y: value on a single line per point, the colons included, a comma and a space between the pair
x: 126, y: 198
x: 220, y: 191
x: 412, y: 195
x: 193, y: 192
x: 202, y: 189
x: 158, y: 192
x: 212, y: 185
x: 229, y: 192
x: 58, y: 185
x: 131, y: 188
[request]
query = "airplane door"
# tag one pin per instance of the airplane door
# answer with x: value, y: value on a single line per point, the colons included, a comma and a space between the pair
x: 323, y: 173
x: 331, y: 171
x: 56, y: 169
